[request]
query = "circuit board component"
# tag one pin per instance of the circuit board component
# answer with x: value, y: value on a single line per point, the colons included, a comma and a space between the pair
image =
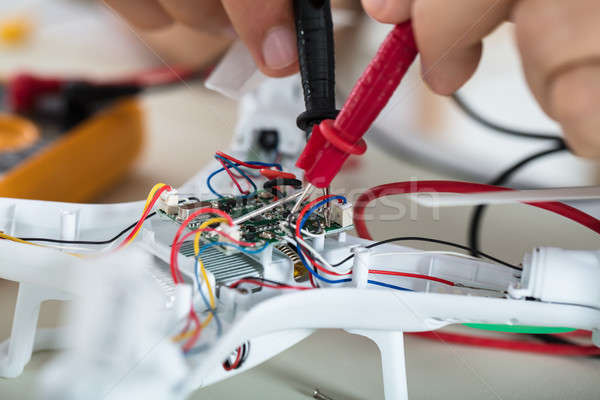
x: 269, y: 226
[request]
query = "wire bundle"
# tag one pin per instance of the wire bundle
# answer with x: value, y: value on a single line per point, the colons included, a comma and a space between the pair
x: 307, y: 260
x: 228, y: 162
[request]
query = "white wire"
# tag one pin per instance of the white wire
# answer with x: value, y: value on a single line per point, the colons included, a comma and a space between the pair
x: 424, y: 252
x: 87, y: 250
x: 314, y: 252
x: 305, y: 232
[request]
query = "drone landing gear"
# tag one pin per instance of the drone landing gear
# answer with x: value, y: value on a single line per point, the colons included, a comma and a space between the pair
x: 391, y: 348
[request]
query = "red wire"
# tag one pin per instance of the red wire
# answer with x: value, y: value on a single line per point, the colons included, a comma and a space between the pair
x: 311, y: 280
x: 410, y: 275
x: 514, y: 345
x: 190, y: 343
x: 265, y: 284
x: 235, y: 160
x: 305, y: 210
x: 575, y: 333
x: 175, y: 273
x: 233, y: 178
x: 457, y: 187
x: 466, y: 187
x: 299, y: 234
x: 274, y: 174
x: 235, y: 363
x: 178, y: 245
x: 323, y: 269
x: 188, y: 322
x: 144, y: 216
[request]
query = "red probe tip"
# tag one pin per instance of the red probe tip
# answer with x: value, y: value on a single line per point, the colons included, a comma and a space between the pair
x: 332, y: 142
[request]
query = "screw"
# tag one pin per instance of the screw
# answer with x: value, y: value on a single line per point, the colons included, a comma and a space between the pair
x: 320, y: 396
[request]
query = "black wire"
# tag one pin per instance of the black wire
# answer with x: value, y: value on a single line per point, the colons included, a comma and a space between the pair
x: 430, y: 240
x: 477, y: 216
x: 295, y: 183
x: 99, y: 242
x: 246, y: 352
x: 264, y: 280
x: 467, y: 109
x: 298, y: 248
x: 273, y: 183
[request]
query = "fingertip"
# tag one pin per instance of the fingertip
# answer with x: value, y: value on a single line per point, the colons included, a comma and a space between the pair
x: 583, y: 141
x: 388, y: 11
x: 267, y: 29
x: 574, y: 94
x: 574, y: 100
x: 279, y: 73
x: 447, y: 74
x: 279, y: 49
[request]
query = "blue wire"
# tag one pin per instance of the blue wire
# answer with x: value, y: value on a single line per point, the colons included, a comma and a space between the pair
x: 239, y: 170
x: 315, y: 273
x: 387, y: 285
x: 235, y: 165
x: 211, y: 244
x: 212, y: 311
x: 319, y: 205
x: 261, y: 164
x: 302, y: 258
x: 204, y: 299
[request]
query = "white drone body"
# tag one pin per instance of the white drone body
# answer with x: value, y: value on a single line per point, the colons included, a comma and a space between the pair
x: 126, y: 308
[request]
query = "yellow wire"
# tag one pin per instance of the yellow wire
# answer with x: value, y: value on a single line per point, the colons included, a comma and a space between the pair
x: 204, y: 225
x: 155, y: 188
x: 17, y: 240
x: 186, y: 335
x: 204, y: 324
x: 14, y: 239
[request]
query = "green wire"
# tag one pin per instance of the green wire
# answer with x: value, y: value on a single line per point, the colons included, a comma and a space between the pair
x: 520, y: 328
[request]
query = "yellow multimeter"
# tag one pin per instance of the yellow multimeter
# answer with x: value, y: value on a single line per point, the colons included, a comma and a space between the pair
x: 74, y: 166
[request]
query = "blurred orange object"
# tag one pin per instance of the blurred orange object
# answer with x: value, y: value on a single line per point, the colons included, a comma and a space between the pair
x: 15, y: 30
x: 83, y: 163
x: 16, y: 133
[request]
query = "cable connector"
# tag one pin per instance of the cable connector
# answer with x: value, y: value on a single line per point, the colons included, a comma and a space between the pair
x: 232, y: 231
x: 168, y: 202
x: 560, y: 276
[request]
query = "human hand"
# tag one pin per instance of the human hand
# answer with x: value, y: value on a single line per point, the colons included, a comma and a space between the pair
x: 265, y: 26
x: 557, y: 40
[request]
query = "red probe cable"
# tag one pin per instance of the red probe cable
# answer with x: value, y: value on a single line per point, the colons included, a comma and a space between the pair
x: 331, y: 142
x: 513, y: 345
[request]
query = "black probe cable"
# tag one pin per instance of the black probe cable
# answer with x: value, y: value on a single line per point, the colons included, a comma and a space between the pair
x: 475, y: 116
x: 316, y: 57
x: 477, y: 216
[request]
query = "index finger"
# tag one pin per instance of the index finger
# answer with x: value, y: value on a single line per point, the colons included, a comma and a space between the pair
x: 267, y: 28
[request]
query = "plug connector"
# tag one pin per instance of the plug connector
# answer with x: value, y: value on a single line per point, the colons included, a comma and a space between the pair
x: 560, y: 276
x: 168, y: 202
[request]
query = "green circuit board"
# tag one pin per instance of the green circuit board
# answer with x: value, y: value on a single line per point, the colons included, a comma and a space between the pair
x: 266, y: 227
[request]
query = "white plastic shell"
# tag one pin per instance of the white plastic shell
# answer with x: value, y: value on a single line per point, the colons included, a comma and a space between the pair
x: 560, y: 276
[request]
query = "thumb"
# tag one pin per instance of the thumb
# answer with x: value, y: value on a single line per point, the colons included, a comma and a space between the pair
x: 267, y: 28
